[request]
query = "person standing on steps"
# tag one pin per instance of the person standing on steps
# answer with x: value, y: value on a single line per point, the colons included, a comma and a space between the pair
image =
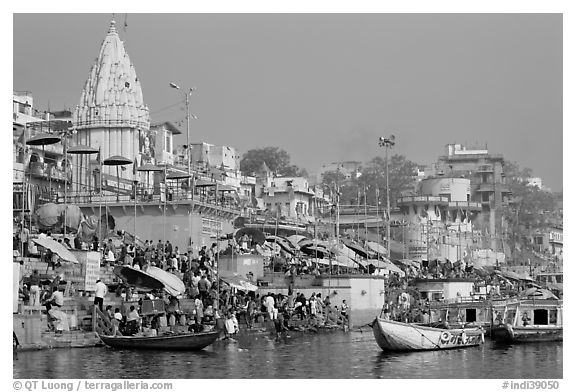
x: 101, y: 290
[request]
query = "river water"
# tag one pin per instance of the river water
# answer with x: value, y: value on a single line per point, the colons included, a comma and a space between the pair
x: 326, y: 355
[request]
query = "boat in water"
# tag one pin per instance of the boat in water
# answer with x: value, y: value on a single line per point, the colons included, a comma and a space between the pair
x: 180, y: 342
x: 533, y: 316
x: 398, y: 336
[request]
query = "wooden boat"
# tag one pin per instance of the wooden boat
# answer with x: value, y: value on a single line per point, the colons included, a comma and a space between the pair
x: 397, y: 336
x: 467, y: 313
x: 180, y: 342
x: 527, y: 320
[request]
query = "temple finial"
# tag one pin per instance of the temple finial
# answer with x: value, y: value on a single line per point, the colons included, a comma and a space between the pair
x: 112, y: 26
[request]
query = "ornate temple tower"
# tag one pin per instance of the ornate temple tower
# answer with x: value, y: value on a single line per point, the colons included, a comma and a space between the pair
x: 111, y: 117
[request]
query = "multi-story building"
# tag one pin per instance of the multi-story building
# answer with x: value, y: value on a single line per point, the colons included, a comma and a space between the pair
x: 163, y: 136
x: 437, y: 224
x: 549, y: 241
x: 487, y: 184
x: 40, y: 172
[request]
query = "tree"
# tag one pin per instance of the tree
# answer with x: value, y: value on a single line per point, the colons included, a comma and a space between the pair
x: 401, y: 175
x: 348, y: 187
x: 529, y: 208
x: 529, y: 205
x: 277, y: 160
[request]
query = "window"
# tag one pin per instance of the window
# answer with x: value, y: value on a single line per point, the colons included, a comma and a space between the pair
x: 470, y: 315
x: 510, y: 315
x: 168, y: 141
x: 553, y: 317
x: 540, y: 317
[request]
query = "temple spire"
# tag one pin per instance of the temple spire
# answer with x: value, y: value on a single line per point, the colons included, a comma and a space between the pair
x: 112, y: 28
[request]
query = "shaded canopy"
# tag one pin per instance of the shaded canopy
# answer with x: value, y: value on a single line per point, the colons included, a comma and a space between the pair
x: 177, y: 175
x: 376, y: 247
x: 257, y: 235
x: 172, y: 284
x: 312, y: 250
x: 137, y: 278
x: 49, y: 214
x: 359, y: 250
x: 294, y: 239
x: 537, y: 293
x: 57, y: 248
x: 282, y: 242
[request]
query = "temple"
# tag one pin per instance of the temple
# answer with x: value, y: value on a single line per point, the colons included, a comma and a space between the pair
x: 111, y: 117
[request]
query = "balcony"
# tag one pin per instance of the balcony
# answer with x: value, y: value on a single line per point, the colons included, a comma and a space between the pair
x: 48, y: 171
x: 485, y: 169
x: 465, y: 205
x: 486, y: 188
x: 423, y: 200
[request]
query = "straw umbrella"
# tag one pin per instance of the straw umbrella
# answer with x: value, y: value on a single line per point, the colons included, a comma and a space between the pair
x: 177, y: 175
x: 76, y: 150
x: 43, y: 139
x: 117, y: 160
x: 145, y: 168
x: 40, y: 139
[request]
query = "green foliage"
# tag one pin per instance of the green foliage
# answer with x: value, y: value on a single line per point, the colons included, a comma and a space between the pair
x: 277, y: 160
x: 529, y: 206
x: 401, y: 175
x: 401, y: 172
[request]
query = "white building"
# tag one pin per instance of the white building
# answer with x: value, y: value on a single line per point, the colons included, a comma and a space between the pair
x: 112, y: 118
x: 437, y: 224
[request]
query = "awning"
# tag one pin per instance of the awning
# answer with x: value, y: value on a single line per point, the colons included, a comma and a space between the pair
x: 311, y: 250
x: 510, y: 275
x: 257, y: 235
x: 199, y: 183
x: 409, y: 263
x: 294, y: 239
x: 240, y: 283
x: 57, y: 248
x: 375, y: 247
x: 360, y: 251
x: 225, y: 188
x: 284, y: 244
x: 345, y: 261
x: 537, y: 293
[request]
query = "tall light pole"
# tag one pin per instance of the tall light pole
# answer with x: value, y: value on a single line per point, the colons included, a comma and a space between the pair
x: 187, y: 96
x: 387, y: 142
x: 190, y: 179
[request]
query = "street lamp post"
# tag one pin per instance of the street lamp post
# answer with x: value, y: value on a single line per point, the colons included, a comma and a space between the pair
x: 190, y: 179
x: 387, y: 143
x: 187, y: 96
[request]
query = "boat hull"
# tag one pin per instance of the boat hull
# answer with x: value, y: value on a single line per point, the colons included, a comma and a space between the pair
x: 505, y: 333
x: 180, y: 342
x: 396, y: 336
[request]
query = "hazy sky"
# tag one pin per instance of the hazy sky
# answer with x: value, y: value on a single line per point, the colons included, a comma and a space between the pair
x: 324, y: 87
